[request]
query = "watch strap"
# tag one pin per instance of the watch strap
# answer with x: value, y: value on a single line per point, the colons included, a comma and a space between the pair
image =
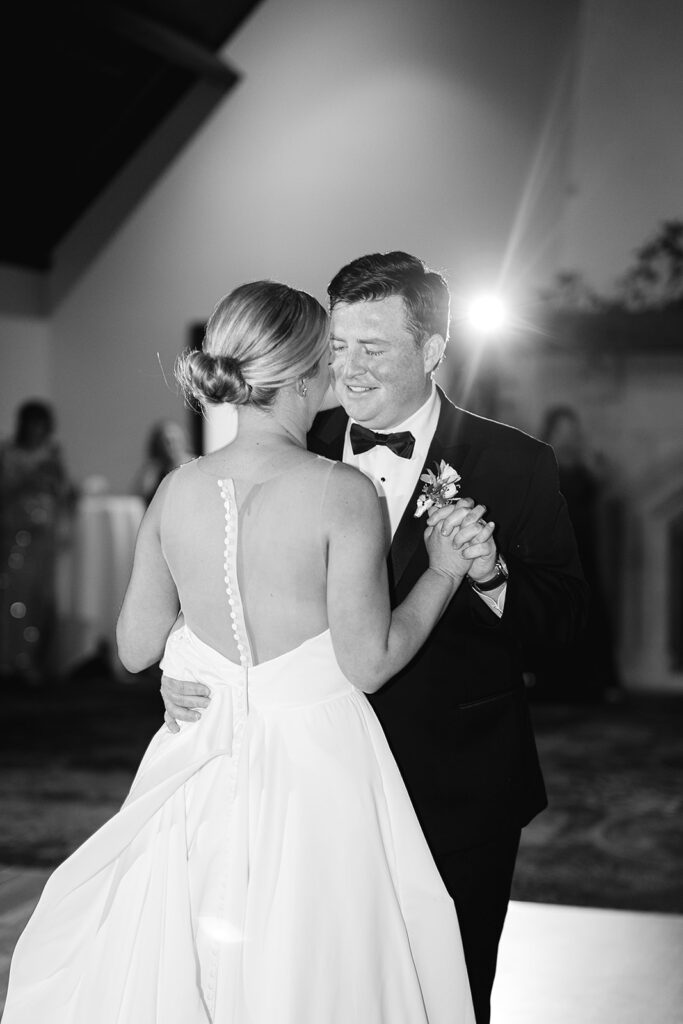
x: 499, y: 577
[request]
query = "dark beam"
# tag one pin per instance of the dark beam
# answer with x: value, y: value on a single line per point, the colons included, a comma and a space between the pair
x: 171, y: 46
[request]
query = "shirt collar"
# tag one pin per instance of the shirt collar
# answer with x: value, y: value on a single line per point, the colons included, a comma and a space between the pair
x: 418, y: 422
x: 422, y: 424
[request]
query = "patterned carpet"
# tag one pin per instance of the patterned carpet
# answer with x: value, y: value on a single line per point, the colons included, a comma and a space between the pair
x: 613, y: 832
x: 612, y: 837
x: 67, y: 761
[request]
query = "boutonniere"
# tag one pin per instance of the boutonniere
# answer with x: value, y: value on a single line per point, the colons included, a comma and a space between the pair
x: 440, y: 488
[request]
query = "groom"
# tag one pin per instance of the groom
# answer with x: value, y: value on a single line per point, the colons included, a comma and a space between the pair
x: 455, y: 717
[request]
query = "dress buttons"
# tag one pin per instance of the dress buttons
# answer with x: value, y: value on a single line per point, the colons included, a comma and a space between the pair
x: 231, y: 587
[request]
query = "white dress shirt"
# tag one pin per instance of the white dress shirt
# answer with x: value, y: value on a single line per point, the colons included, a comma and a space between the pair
x: 395, y: 478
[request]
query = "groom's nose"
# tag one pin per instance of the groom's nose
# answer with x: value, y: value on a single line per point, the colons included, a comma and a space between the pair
x: 355, y: 362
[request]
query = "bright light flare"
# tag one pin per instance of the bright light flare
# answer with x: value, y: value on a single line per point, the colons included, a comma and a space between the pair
x: 487, y: 314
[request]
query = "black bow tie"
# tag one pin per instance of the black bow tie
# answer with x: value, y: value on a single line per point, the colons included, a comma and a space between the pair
x: 362, y: 440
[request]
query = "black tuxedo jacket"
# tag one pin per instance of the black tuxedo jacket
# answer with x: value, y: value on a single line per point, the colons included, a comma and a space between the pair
x: 456, y: 717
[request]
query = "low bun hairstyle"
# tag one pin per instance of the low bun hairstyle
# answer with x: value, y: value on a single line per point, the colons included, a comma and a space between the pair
x: 213, y: 379
x: 261, y: 337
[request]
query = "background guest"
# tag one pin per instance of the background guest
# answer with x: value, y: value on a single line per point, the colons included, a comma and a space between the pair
x: 167, y: 448
x: 589, y: 671
x: 35, y: 494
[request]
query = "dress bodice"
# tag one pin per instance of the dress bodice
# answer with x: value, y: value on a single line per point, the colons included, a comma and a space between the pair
x: 307, y: 674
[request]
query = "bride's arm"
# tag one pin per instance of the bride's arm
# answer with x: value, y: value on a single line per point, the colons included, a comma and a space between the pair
x: 371, y: 643
x: 150, y: 607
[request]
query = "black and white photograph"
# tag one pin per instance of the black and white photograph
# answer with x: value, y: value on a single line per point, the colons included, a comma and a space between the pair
x: 341, y: 512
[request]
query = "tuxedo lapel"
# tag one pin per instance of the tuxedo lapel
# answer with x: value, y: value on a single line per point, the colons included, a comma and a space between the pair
x: 328, y: 434
x: 446, y: 445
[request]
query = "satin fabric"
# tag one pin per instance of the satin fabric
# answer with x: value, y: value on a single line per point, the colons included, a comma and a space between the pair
x: 267, y: 867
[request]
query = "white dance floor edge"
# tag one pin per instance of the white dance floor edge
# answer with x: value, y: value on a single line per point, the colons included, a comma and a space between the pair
x: 578, y: 965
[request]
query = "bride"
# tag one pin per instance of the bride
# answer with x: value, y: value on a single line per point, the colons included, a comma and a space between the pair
x: 267, y: 866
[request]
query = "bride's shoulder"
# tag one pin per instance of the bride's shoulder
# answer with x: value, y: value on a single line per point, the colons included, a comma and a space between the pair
x: 349, y: 491
x: 175, y: 486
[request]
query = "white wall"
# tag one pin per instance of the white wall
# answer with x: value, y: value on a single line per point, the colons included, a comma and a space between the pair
x: 358, y: 127
x: 627, y: 170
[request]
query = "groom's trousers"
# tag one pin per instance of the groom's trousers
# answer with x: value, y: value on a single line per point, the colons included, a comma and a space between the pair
x: 479, y: 880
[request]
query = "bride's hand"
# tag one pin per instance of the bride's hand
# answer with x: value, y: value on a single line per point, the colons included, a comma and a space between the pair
x: 455, y: 517
x: 444, y: 545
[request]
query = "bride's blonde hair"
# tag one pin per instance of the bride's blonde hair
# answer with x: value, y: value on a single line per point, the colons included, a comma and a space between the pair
x: 261, y: 337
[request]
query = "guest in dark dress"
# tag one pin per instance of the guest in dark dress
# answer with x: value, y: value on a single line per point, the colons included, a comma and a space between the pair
x: 167, y: 448
x: 35, y: 493
x: 588, y: 671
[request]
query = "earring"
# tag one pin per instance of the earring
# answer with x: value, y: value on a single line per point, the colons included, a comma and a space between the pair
x: 303, y: 387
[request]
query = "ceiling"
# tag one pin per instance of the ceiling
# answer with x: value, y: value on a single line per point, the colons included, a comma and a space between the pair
x: 83, y: 86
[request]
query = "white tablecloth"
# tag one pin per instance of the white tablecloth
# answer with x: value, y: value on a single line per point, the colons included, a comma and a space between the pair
x: 92, y: 575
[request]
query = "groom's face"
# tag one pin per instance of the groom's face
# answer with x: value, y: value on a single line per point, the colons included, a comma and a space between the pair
x: 379, y: 372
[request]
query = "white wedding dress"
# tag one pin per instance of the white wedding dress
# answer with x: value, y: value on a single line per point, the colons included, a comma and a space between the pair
x: 267, y: 866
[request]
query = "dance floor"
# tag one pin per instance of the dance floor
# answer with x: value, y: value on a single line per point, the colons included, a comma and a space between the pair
x: 558, y: 965
x: 579, y: 965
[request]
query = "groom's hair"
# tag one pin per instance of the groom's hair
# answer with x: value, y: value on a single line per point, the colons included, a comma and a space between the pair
x: 382, y: 274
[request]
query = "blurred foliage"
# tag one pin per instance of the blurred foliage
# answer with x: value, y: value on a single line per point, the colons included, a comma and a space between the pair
x: 653, y: 283
x: 569, y: 291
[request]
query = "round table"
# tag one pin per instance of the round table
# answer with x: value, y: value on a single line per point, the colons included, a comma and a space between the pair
x: 92, y: 575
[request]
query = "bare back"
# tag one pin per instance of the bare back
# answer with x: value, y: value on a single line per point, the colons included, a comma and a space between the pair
x: 279, y: 545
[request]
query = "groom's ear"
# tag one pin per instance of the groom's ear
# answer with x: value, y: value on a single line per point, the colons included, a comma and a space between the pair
x: 432, y: 351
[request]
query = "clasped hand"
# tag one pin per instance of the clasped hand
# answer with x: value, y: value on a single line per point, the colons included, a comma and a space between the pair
x: 472, y: 551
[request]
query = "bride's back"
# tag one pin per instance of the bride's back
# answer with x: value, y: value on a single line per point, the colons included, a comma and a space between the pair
x: 279, y: 547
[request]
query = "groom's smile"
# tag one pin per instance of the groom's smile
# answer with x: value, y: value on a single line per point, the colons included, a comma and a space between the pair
x: 381, y: 373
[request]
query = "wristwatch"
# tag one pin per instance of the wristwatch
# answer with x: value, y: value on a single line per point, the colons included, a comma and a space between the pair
x: 500, y: 576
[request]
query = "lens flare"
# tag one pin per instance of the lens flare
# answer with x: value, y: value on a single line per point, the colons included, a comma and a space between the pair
x: 487, y: 314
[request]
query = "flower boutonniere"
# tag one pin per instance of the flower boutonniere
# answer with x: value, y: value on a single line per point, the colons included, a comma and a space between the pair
x: 440, y: 488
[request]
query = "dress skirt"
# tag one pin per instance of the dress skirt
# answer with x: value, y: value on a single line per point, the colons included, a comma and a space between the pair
x: 267, y: 867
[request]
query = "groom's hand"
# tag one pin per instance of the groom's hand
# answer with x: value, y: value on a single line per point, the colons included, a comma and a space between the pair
x: 462, y: 514
x: 450, y: 517
x: 483, y: 552
x: 181, y: 699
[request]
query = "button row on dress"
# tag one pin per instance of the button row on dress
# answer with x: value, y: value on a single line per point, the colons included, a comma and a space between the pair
x: 227, y: 568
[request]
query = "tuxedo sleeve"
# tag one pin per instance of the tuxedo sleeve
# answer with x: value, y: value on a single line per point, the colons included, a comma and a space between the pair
x: 547, y: 596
